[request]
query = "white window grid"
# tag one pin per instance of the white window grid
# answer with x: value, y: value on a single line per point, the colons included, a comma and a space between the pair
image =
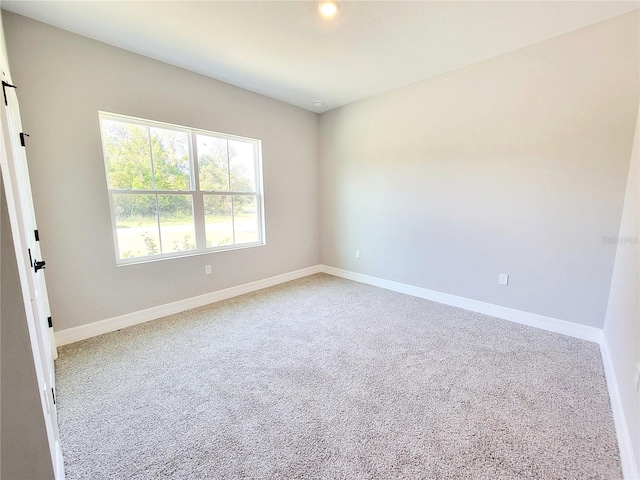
x: 197, y: 195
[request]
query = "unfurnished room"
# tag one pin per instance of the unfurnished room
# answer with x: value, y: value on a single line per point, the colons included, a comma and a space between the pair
x: 319, y: 240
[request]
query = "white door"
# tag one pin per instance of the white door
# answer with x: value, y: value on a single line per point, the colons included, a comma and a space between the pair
x: 15, y: 176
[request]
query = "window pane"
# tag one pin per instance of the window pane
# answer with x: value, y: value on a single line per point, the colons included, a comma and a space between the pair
x: 127, y: 156
x: 242, y: 166
x: 155, y: 174
x: 136, y: 225
x: 171, y: 168
x: 245, y: 218
x: 176, y: 223
x: 218, y: 220
x: 212, y: 163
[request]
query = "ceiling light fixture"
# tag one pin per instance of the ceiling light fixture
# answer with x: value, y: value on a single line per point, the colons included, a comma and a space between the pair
x: 328, y: 9
x: 318, y: 103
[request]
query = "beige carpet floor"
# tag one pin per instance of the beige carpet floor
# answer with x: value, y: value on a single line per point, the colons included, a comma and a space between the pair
x: 324, y: 378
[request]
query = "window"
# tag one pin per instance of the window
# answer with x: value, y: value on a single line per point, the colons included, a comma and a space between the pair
x: 177, y: 191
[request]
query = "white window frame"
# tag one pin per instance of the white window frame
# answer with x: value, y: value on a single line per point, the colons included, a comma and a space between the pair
x: 196, y: 194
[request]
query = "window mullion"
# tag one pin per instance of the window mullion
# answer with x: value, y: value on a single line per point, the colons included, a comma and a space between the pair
x: 198, y: 217
x: 233, y: 221
x: 153, y: 173
x: 195, y: 168
x: 228, y: 166
x: 198, y: 201
x: 159, y: 229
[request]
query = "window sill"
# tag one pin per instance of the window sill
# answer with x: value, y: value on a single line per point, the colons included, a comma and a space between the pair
x: 169, y: 256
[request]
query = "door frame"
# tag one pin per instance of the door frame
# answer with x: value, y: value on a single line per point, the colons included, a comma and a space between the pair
x: 19, y: 200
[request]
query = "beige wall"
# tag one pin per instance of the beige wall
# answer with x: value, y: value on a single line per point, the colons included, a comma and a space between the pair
x: 63, y: 80
x: 518, y: 164
x: 622, y: 324
x: 513, y: 165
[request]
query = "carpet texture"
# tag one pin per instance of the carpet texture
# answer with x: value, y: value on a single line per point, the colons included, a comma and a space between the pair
x: 327, y: 378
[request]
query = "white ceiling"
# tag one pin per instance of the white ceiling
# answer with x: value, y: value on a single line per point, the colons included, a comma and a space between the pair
x: 283, y: 49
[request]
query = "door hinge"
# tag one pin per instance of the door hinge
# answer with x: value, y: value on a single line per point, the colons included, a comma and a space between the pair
x: 53, y: 394
x: 22, y: 135
x: 38, y: 265
x: 50, y: 322
x: 4, y: 90
x: 37, y: 235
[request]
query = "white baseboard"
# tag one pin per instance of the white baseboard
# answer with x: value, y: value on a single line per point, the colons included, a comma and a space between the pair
x: 551, y: 324
x: 630, y: 467
x: 83, y: 332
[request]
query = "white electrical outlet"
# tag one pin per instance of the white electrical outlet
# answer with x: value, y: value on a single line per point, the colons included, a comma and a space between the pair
x: 357, y: 253
x: 504, y: 279
x: 207, y: 269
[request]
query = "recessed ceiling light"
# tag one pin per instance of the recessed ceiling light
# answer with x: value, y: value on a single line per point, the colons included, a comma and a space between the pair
x: 328, y: 9
x: 318, y: 103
